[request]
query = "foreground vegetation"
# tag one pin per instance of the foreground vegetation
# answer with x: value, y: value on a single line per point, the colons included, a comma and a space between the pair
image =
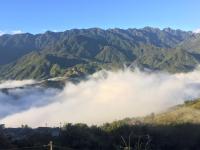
x: 107, y: 137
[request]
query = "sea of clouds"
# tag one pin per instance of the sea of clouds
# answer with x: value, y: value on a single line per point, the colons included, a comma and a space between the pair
x: 106, y: 96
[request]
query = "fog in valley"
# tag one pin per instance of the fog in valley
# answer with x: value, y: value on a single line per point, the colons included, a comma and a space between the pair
x: 104, y: 97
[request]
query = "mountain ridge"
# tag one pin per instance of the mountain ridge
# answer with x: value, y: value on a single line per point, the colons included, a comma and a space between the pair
x: 79, y: 52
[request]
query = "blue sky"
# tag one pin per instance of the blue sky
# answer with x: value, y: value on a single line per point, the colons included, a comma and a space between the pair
x: 37, y: 16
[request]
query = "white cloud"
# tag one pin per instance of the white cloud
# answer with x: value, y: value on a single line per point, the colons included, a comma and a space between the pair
x: 16, y: 32
x: 10, y: 32
x: 15, y: 83
x: 196, y: 31
x: 2, y: 32
x: 105, y: 97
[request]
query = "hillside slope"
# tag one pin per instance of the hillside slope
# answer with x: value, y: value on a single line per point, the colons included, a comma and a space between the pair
x: 189, y: 112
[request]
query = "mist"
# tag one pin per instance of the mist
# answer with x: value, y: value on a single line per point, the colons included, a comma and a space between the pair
x: 17, y: 96
x: 15, y: 83
x: 106, y: 96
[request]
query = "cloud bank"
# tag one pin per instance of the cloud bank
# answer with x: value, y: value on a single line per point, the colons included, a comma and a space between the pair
x: 104, y: 97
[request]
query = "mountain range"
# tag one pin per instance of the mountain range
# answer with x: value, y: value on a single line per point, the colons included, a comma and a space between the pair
x: 79, y: 52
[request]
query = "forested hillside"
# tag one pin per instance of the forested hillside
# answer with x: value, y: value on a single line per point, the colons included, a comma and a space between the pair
x: 79, y: 52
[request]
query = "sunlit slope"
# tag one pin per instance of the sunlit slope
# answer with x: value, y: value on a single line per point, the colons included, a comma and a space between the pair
x: 186, y: 113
